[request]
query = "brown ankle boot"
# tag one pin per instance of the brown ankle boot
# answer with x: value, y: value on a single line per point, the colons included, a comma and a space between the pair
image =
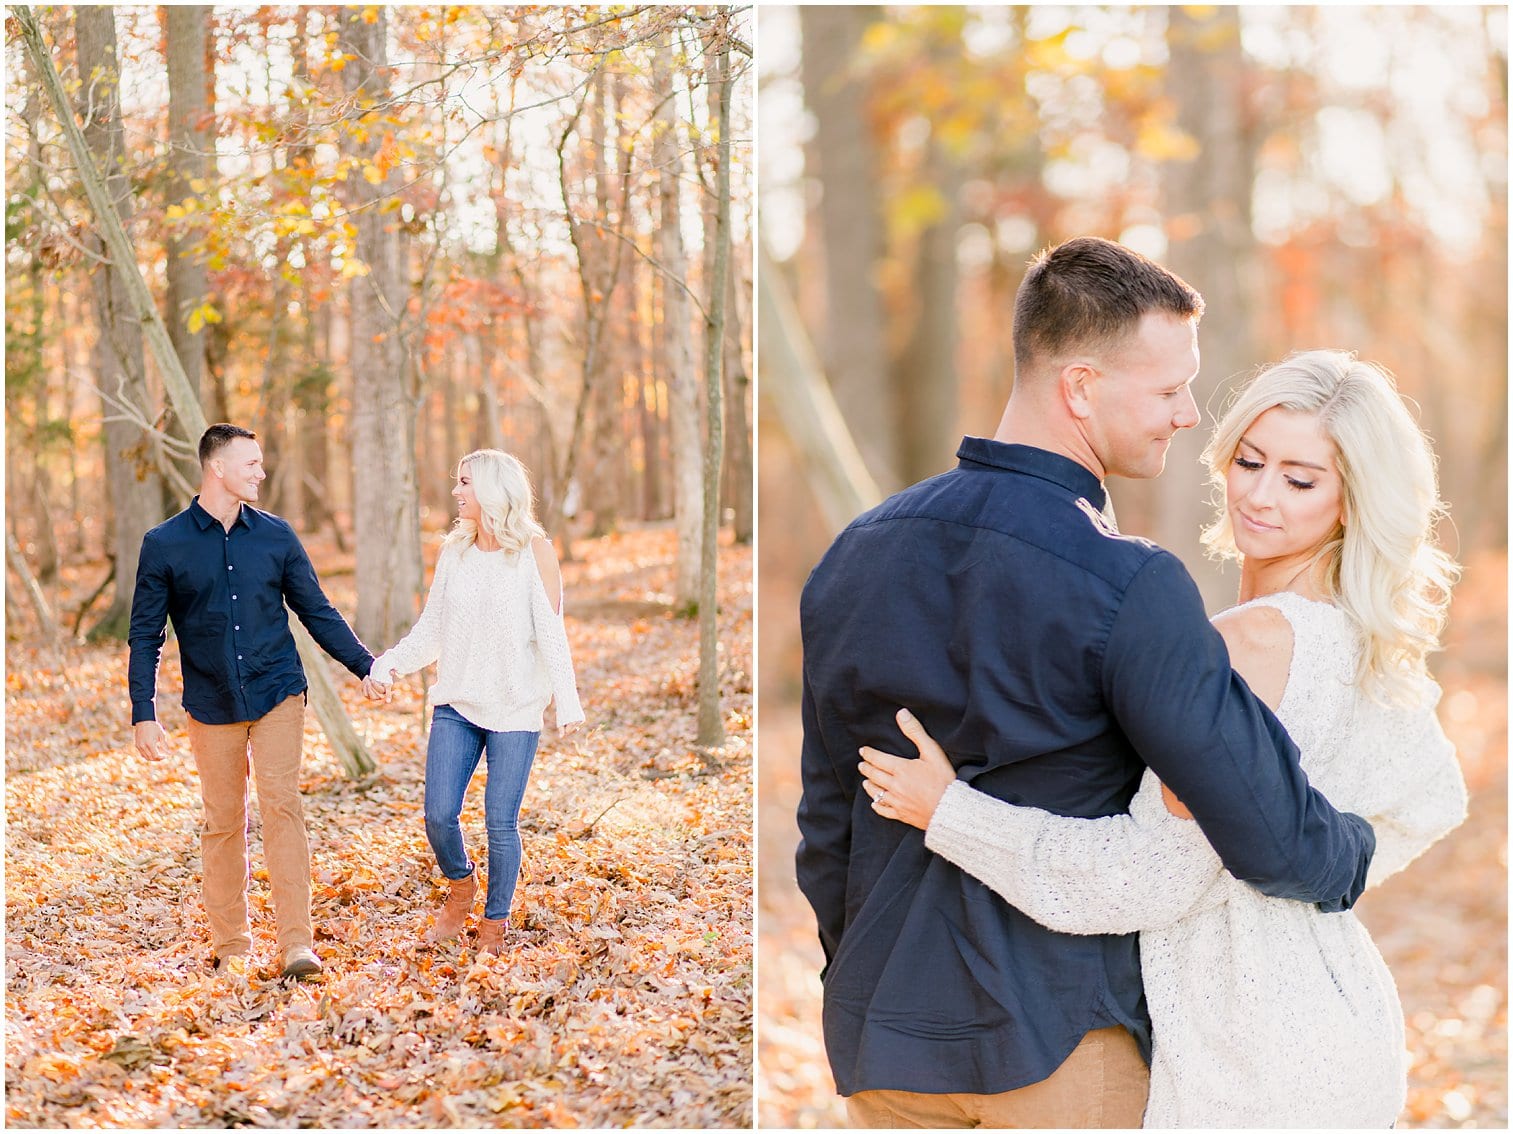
x: 455, y: 913
x: 491, y: 935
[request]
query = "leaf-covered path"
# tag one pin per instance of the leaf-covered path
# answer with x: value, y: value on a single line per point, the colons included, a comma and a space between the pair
x: 624, y: 996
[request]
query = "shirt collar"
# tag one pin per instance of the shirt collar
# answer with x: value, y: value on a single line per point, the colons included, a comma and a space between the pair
x: 206, y: 521
x: 1030, y: 461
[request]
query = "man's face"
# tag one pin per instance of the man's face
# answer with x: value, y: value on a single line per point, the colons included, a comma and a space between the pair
x: 1142, y: 394
x: 240, y: 467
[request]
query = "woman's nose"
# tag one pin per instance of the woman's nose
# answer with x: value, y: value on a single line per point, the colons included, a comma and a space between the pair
x: 1263, y: 492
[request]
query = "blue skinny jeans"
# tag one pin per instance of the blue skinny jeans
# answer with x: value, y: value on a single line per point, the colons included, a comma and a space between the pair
x: 451, y: 758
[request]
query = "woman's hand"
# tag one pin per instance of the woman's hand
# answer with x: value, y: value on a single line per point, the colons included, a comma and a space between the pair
x: 904, y: 789
x: 569, y: 729
x: 375, y: 690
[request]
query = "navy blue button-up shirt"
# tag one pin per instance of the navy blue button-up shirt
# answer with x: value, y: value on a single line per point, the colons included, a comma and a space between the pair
x: 224, y: 591
x: 1054, y: 659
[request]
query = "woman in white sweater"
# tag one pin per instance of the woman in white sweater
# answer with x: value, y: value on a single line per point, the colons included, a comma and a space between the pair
x: 1265, y: 1012
x: 493, y: 623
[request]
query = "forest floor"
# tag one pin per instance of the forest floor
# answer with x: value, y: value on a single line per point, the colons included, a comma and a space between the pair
x: 624, y: 995
x: 1442, y: 924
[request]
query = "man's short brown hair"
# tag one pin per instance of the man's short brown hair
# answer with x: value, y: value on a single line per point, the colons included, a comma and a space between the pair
x: 217, y: 437
x: 1087, y: 294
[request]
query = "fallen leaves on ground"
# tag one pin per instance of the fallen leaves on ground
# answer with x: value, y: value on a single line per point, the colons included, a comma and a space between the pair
x: 624, y: 993
x: 1442, y: 925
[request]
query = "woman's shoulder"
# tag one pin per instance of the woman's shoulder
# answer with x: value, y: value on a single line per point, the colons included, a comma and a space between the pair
x: 1256, y: 628
x: 1290, y: 619
x: 547, y: 567
x: 1260, y: 641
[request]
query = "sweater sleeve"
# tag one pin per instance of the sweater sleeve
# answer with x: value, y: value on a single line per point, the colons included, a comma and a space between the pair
x: 551, y: 636
x: 1426, y: 798
x: 1118, y: 874
x: 422, y: 645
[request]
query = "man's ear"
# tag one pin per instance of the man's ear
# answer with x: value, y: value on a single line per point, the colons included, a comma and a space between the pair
x: 1076, y: 382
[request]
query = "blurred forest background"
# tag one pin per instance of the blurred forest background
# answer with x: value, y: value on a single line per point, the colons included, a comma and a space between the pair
x: 1326, y: 177
x: 381, y: 237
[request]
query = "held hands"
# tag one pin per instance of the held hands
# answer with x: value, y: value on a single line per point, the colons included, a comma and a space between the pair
x: 149, y: 737
x: 904, y: 789
x: 375, y: 690
x: 568, y: 729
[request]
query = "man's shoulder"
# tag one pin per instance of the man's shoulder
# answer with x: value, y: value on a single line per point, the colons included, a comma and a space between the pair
x: 1023, y: 510
x: 179, y: 524
x: 266, y: 523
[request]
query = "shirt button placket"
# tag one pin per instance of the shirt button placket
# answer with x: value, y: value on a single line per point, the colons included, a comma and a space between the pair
x: 235, y: 627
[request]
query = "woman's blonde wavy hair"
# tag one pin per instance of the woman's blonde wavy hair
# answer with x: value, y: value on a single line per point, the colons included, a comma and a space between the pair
x: 1382, y: 566
x: 505, y: 499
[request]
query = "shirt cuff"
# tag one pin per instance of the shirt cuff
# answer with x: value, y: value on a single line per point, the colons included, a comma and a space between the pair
x: 143, y: 711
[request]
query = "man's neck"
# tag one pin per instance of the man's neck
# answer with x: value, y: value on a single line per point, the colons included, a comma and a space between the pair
x: 1024, y: 423
x: 221, y: 505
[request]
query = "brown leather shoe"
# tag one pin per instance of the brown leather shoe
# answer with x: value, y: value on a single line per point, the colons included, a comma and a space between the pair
x: 456, y: 911
x: 491, y: 935
x: 301, y: 962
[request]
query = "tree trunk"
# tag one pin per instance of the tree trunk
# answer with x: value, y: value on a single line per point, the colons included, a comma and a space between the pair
x: 925, y: 382
x: 312, y: 390
x: 190, y: 145
x: 739, y: 462
x: 47, y: 544
x: 386, y: 505
x: 711, y: 720
x: 48, y: 625
x: 604, y: 475
x: 643, y: 426
x: 134, y: 486
x: 833, y: 467
x: 841, y: 158
x: 678, y: 361
x: 598, y: 276
x: 736, y: 477
x: 25, y: 363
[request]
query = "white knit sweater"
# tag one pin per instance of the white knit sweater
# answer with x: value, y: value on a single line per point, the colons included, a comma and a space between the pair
x: 1265, y: 1012
x: 501, y: 647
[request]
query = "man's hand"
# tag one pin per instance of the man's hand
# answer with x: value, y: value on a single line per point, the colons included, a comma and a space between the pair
x: 149, y: 738
x: 375, y: 690
x: 569, y: 729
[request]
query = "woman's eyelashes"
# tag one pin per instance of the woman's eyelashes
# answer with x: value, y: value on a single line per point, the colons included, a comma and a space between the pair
x: 1253, y: 466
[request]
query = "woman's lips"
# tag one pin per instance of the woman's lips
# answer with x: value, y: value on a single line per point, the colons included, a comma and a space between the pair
x: 1256, y: 525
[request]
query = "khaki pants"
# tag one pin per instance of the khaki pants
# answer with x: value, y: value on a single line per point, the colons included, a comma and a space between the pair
x: 221, y: 754
x: 1102, y: 1084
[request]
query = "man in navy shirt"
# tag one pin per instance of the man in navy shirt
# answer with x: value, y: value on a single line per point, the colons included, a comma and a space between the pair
x: 221, y: 571
x: 1055, y: 660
